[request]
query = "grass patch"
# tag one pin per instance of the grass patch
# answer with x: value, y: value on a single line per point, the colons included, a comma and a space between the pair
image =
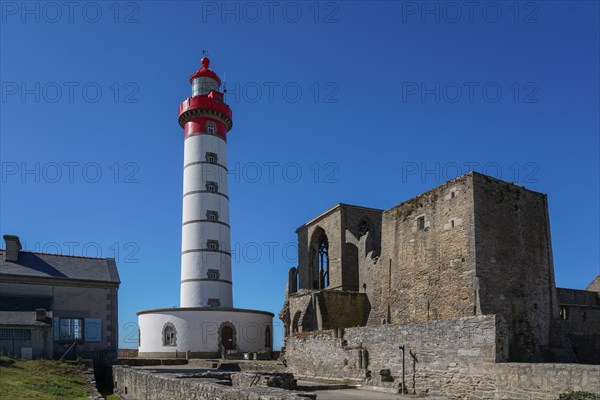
x: 41, y: 380
x: 579, y: 396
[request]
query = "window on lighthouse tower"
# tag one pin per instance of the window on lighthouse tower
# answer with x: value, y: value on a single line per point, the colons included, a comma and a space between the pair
x: 213, y: 274
x: 212, y: 187
x: 212, y: 158
x: 212, y: 215
x: 210, y: 128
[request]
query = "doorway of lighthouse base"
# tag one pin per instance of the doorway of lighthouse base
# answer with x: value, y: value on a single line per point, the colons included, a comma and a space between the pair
x: 227, y: 335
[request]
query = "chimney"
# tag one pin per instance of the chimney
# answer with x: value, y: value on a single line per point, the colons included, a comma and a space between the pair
x: 13, y: 246
x: 40, y: 315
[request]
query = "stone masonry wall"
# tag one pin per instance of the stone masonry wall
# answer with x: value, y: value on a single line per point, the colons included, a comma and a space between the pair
x: 139, y: 384
x: 344, y: 309
x: 337, y: 223
x: 455, y: 358
x: 353, y: 219
x: 308, y: 236
x: 581, y: 317
x: 515, y: 267
x: 427, y: 266
x: 520, y: 381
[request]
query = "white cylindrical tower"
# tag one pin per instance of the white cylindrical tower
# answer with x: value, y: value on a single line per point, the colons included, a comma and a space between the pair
x: 206, y: 244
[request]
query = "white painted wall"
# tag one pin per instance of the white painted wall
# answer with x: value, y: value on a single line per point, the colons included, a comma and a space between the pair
x: 196, y: 231
x: 198, y: 330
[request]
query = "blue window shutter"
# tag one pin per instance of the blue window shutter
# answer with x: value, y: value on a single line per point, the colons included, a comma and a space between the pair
x: 93, y: 330
x: 56, y: 328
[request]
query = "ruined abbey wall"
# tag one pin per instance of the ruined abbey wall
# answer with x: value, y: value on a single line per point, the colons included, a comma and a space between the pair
x: 427, y: 266
x: 455, y: 359
x: 515, y: 268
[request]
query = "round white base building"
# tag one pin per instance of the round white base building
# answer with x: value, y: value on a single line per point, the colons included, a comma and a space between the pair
x: 203, y: 333
x: 206, y: 325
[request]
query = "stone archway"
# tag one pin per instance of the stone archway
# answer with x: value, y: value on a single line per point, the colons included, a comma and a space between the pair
x: 296, y: 322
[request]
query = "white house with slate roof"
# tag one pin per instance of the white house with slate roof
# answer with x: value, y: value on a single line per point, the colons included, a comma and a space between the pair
x: 49, y: 302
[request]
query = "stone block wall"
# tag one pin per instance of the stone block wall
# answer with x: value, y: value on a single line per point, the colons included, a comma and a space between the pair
x: 326, y: 309
x: 455, y: 358
x: 139, y: 384
x: 337, y: 223
x: 521, y: 381
x: 514, y: 266
x: 580, y: 315
x: 426, y: 270
x: 344, y: 309
x: 329, y: 224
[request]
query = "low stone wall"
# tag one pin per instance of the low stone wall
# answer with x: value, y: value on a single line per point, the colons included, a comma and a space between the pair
x: 454, y: 358
x: 139, y: 384
x: 544, y: 381
x: 143, y: 362
x: 282, y: 380
x: 90, y: 377
x: 127, y: 353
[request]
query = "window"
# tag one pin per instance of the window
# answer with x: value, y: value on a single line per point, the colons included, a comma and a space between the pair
x: 214, y: 302
x: 212, y: 158
x: 452, y: 195
x: 584, y: 316
x: 15, y: 334
x: 210, y: 128
x: 213, y: 274
x: 212, y: 244
x: 564, y: 312
x: 421, y: 223
x: 452, y: 223
x: 71, y: 329
x: 212, y: 215
x: 324, y: 263
x: 363, y: 227
x: 212, y: 187
x: 169, y: 335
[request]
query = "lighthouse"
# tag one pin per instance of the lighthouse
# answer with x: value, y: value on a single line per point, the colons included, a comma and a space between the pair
x: 206, y: 325
x: 206, y: 250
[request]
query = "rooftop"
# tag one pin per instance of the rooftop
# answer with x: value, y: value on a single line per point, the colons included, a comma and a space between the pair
x: 58, y: 266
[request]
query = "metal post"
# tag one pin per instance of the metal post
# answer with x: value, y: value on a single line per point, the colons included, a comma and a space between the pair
x: 403, y: 372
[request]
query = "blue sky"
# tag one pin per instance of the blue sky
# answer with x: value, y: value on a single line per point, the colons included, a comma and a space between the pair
x: 368, y: 103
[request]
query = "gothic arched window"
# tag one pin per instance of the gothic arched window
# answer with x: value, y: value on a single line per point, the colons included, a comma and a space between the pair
x: 324, y: 263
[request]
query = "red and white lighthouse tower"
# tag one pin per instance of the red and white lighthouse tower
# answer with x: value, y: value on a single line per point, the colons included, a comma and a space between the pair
x: 206, y: 325
x: 206, y: 245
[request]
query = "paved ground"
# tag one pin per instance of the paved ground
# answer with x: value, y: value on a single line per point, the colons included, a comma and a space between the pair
x: 323, y: 393
x: 350, y: 394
